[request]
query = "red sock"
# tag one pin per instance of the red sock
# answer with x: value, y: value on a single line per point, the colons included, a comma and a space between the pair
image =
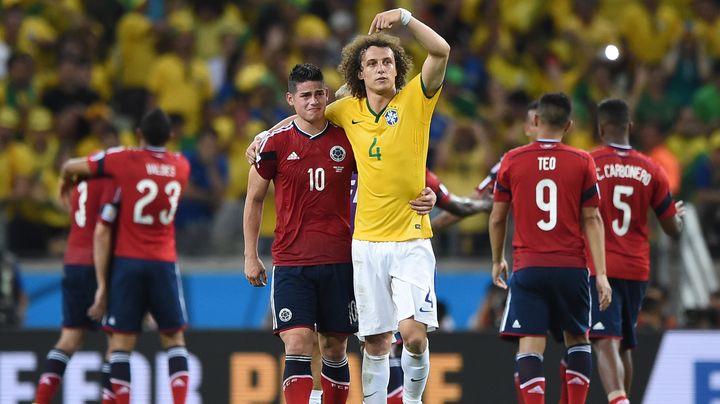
x: 577, y: 387
x: 620, y: 400
x: 297, y: 389
x: 396, y: 399
x: 533, y: 391
x: 563, y: 386
x: 518, y: 392
x: 179, y: 387
x: 46, y: 388
x: 108, y: 397
x: 122, y: 392
x: 334, y: 392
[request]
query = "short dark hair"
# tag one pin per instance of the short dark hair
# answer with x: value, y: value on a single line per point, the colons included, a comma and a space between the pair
x: 533, y: 106
x: 613, y: 112
x: 554, y: 109
x: 155, y: 127
x: 302, y: 73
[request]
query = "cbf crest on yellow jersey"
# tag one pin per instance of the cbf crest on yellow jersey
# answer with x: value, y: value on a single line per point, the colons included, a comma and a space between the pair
x: 390, y: 148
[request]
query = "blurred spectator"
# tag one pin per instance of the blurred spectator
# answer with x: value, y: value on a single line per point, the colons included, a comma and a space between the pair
x: 707, y: 193
x: 15, y: 170
x: 687, y: 139
x: 653, y: 314
x: 706, y: 101
x: 650, y: 28
x: 652, y: 104
x: 13, y: 299
x: 203, y: 194
x: 69, y: 97
x: 652, y: 142
x: 490, y: 313
x: 18, y: 90
x: 180, y: 83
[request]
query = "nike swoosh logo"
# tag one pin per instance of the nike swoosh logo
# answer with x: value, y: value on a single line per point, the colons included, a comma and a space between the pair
x: 370, y: 395
x: 417, y: 380
x: 354, y: 122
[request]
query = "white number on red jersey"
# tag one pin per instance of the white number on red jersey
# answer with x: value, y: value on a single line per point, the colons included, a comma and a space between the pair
x: 549, y: 205
x: 81, y: 212
x: 618, y: 192
x: 172, y: 190
x: 317, y: 179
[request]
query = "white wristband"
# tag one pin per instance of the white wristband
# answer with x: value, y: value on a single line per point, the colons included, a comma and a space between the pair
x: 405, y: 16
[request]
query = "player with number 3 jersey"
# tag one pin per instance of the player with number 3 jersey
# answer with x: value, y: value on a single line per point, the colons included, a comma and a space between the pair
x: 145, y: 277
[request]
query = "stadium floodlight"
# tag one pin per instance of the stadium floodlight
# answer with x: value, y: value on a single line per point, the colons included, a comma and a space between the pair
x: 612, y: 52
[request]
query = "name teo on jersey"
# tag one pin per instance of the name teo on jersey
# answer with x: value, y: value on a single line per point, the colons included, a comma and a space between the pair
x: 624, y: 171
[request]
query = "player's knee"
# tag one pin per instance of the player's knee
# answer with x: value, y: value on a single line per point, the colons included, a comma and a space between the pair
x: 334, y: 347
x: 168, y: 340
x: 378, y: 344
x: 415, y: 343
x: 572, y: 339
x: 298, y: 343
x: 70, y: 342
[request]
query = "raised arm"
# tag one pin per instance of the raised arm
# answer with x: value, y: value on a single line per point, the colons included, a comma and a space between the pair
x: 433, y: 69
x: 252, y: 216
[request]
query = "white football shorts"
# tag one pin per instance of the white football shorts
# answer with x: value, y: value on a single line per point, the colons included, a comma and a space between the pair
x: 393, y: 281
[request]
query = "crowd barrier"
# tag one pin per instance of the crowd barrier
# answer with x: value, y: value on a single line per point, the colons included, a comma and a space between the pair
x: 246, y: 367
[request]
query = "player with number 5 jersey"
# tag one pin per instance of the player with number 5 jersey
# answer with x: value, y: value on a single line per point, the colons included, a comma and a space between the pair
x: 145, y: 277
x: 631, y: 184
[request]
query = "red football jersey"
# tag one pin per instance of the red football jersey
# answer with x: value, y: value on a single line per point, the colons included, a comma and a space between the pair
x: 631, y: 184
x: 548, y: 184
x: 312, y: 186
x: 91, y: 201
x: 443, y: 194
x: 151, y: 181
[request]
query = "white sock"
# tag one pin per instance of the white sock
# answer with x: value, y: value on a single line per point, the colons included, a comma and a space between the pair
x: 315, y: 397
x: 416, y: 368
x: 375, y: 378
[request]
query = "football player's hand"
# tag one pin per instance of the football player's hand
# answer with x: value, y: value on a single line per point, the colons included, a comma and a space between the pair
x: 97, y: 310
x: 604, y: 291
x: 500, y: 273
x: 680, y: 207
x: 255, y: 271
x: 424, y: 202
x: 252, y: 150
x: 385, y: 20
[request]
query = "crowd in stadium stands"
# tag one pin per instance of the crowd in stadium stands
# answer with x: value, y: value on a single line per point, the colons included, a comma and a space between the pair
x: 77, y: 75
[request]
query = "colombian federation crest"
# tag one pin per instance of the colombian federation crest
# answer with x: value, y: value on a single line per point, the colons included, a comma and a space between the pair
x: 392, y: 117
x: 337, y: 154
x: 285, y: 315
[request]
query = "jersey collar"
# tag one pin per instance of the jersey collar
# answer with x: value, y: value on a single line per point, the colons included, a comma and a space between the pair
x: 309, y: 135
x: 156, y: 149
x: 547, y: 140
x: 620, y: 146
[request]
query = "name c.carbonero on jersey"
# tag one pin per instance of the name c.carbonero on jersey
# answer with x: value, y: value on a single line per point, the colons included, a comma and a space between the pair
x: 624, y: 171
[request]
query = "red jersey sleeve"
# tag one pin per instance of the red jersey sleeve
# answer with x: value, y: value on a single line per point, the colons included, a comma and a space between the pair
x: 109, y: 201
x: 591, y: 192
x: 107, y: 163
x: 267, y: 158
x: 662, y: 200
x: 433, y: 182
x: 502, y: 182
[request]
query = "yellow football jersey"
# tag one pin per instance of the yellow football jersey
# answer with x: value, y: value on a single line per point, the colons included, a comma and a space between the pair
x: 390, y: 148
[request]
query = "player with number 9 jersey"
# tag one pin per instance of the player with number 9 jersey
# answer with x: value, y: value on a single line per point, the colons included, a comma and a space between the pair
x: 548, y: 183
x: 151, y: 181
